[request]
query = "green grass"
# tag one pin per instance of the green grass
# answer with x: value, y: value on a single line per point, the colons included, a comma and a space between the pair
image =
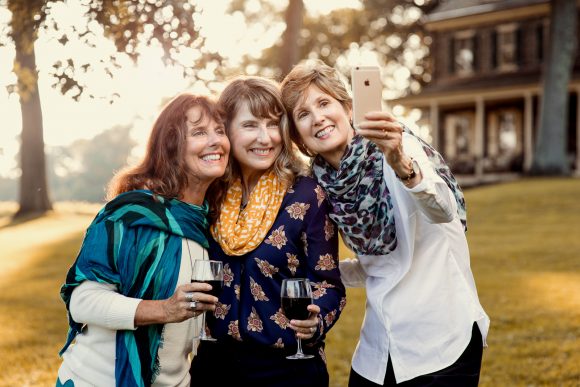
x: 524, y: 239
x: 525, y: 245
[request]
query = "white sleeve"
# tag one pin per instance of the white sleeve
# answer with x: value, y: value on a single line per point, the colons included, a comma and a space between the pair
x: 432, y: 195
x: 352, y: 273
x: 99, y: 304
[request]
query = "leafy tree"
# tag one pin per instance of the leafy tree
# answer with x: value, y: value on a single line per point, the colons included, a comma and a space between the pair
x: 82, y: 170
x: 8, y: 188
x: 388, y: 28
x: 290, y: 53
x: 128, y: 23
x: 550, y: 157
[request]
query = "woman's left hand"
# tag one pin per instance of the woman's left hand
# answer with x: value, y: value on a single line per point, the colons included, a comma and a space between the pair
x: 384, y: 130
x: 306, y: 329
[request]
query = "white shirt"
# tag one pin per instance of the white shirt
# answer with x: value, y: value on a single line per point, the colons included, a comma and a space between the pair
x: 90, y: 361
x: 421, y: 298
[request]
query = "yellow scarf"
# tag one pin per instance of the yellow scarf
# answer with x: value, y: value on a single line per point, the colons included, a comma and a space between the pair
x: 239, y: 232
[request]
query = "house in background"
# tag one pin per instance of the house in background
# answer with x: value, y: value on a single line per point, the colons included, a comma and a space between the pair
x: 483, y: 102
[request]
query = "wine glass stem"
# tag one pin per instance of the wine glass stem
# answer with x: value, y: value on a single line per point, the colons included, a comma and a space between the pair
x: 299, y: 351
x: 202, y: 334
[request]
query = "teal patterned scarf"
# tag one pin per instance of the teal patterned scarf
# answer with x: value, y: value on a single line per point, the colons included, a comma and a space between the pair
x: 134, y: 242
x: 361, y: 202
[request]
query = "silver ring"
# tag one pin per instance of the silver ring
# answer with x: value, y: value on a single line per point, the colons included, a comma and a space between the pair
x: 312, y: 329
x: 193, y: 305
x: 189, y: 296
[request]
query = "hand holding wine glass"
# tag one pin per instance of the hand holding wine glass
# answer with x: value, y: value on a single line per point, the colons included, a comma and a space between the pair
x: 296, y: 297
x: 177, y: 308
x: 306, y: 329
x: 212, y: 273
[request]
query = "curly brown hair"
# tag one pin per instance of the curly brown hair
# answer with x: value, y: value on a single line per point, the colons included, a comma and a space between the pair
x: 163, y: 169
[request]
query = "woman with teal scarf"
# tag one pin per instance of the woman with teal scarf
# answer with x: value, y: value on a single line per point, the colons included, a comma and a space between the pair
x: 131, y: 306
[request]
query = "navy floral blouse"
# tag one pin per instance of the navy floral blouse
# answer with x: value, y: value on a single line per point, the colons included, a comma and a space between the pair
x: 302, y: 242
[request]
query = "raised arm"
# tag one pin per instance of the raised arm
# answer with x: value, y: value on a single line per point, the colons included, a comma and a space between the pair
x: 405, y: 156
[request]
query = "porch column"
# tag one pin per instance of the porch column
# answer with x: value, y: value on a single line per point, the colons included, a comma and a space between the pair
x: 479, y: 136
x: 434, y: 121
x: 528, y: 131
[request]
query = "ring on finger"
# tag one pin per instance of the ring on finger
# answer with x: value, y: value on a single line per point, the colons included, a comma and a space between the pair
x: 312, y: 329
x: 193, y: 305
x: 189, y: 296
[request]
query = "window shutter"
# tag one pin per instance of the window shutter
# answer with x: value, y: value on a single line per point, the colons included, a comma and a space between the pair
x: 475, y: 50
x: 519, y: 42
x: 540, y: 42
x: 451, y: 55
x: 494, y: 46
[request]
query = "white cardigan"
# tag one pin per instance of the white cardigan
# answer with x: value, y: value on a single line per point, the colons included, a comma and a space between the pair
x: 90, y: 361
x: 421, y: 298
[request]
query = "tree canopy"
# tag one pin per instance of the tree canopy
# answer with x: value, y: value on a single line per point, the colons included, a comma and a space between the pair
x: 128, y: 24
x: 389, y: 29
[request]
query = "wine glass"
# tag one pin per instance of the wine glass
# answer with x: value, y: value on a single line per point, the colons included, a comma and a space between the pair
x: 296, y: 295
x: 209, y: 272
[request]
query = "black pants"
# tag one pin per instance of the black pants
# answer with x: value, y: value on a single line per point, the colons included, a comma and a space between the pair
x: 463, y: 373
x: 240, y: 364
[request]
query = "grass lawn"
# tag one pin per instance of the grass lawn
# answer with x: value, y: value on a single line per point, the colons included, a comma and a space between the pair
x: 525, y: 243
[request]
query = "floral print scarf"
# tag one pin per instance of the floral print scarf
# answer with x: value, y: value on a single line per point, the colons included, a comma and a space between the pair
x: 361, y: 202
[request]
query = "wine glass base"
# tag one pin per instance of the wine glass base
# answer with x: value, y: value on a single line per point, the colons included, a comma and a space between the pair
x: 207, y: 338
x: 299, y: 356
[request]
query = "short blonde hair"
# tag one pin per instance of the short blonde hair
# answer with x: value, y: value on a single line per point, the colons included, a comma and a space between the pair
x: 306, y: 73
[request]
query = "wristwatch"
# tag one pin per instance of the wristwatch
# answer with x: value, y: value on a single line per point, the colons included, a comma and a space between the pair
x: 414, y: 168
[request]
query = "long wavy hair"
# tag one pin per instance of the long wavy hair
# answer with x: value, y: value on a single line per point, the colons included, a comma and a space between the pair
x: 294, y: 85
x: 163, y: 169
x: 264, y: 101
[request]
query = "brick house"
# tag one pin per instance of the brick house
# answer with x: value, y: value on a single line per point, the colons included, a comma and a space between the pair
x: 483, y: 101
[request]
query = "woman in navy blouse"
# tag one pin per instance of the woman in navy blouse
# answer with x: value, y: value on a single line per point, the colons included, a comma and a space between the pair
x: 270, y: 222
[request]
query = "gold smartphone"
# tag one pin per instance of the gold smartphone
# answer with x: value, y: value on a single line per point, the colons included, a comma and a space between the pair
x: 367, y: 91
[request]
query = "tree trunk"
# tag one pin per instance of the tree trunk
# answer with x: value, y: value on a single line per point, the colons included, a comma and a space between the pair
x: 34, y: 198
x: 550, y: 157
x: 290, y: 51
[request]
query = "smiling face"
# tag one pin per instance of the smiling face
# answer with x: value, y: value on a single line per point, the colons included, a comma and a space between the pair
x: 322, y: 123
x: 256, y: 141
x: 207, y: 149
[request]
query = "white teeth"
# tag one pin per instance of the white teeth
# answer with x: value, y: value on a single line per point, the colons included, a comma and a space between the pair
x: 324, y: 132
x: 213, y: 157
x: 261, y: 152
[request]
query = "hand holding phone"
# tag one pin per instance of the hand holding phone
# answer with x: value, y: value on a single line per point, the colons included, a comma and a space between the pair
x: 367, y: 91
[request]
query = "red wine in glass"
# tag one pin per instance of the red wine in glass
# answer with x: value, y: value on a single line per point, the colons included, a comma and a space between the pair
x: 295, y: 308
x: 295, y: 296
x: 210, y: 272
x: 216, y: 286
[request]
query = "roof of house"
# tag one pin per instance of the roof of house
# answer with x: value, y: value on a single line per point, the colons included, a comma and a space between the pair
x: 507, y: 81
x: 450, y: 9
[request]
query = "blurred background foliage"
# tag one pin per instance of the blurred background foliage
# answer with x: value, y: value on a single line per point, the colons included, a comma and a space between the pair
x: 388, y: 31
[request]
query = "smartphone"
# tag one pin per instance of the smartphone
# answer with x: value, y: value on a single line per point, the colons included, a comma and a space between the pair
x: 367, y: 91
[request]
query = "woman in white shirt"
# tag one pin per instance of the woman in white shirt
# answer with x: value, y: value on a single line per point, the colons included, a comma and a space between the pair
x: 129, y: 294
x: 401, y: 211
